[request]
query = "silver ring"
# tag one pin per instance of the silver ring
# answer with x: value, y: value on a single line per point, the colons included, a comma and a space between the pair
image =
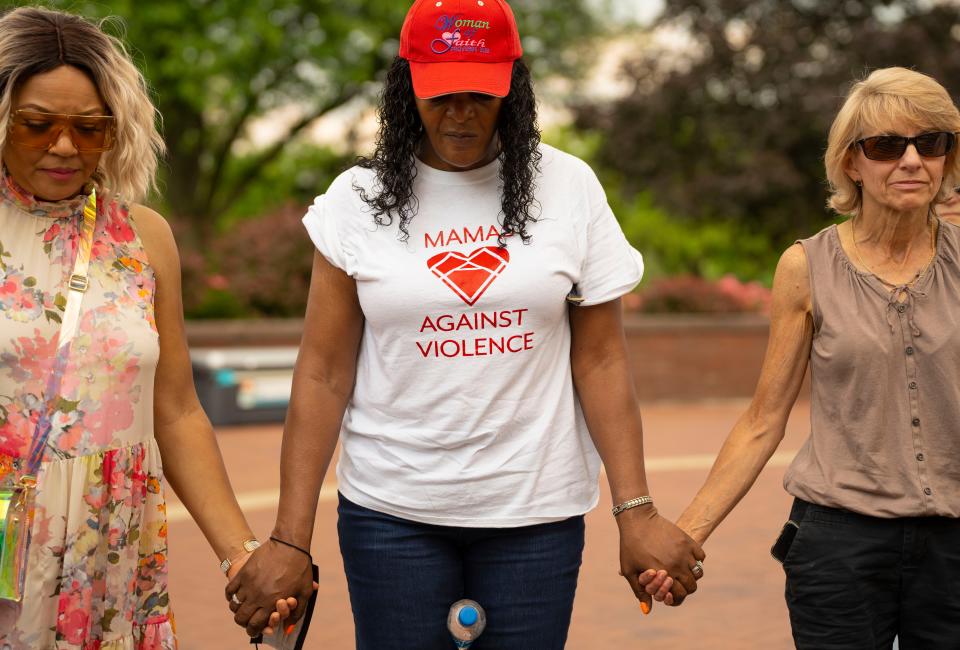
x: 697, y: 570
x: 234, y: 599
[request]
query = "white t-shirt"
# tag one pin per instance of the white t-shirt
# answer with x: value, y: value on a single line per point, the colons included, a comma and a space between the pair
x: 464, y: 411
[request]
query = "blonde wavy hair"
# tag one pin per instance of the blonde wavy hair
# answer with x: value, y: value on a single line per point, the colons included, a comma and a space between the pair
x: 35, y: 40
x: 888, y: 96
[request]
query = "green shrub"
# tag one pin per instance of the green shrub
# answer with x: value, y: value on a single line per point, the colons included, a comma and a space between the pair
x: 708, y: 249
x: 674, y: 244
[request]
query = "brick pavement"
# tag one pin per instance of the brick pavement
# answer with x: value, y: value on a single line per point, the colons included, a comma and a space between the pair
x: 740, y: 604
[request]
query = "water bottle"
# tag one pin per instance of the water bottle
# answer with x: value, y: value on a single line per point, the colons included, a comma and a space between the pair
x: 466, y: 621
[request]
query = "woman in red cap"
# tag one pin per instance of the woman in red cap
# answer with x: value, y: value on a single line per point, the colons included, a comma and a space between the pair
x: 463, y: 342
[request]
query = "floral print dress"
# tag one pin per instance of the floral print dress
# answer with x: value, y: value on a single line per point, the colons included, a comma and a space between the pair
x: 97, y: 569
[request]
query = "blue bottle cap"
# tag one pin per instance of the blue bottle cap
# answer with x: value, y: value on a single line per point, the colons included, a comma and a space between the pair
x: 468, y: 616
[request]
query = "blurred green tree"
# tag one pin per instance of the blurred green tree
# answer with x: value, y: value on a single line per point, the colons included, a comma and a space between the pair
x: 730, y: 122
x: 218, y: 66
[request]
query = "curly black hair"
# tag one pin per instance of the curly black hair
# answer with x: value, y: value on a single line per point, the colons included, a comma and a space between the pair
x: 400, y: 134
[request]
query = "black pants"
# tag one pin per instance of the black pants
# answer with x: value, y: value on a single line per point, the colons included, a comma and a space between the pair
x: 856, y: 582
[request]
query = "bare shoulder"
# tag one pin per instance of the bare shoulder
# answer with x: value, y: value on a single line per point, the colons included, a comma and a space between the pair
x: 150, y: 223
x: 157, y: 237
x: 793, y: 262
x: 951, y: 219
x: 791, y: 282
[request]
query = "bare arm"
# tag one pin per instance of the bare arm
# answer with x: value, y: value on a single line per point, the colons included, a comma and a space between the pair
x: 322, y: 384
x: 192, y: 463
x: 758, y: 432
x: 602, y: 377
x: 323, y: 381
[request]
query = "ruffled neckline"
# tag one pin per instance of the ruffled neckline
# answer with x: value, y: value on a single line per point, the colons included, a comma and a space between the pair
x: 11, y: 192
x: 875, y: 282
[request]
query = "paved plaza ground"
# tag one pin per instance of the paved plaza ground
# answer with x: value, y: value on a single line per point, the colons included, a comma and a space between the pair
x: 739, y: 606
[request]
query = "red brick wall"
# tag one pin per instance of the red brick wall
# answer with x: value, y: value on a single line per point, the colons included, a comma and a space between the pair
x: 695, y: 357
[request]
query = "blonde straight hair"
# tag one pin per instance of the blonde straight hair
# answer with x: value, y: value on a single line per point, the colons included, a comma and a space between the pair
x: 888, y: 96
x: 35, y: 40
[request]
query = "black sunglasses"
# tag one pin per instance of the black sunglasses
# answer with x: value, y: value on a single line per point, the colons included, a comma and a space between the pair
x: 892, y: 147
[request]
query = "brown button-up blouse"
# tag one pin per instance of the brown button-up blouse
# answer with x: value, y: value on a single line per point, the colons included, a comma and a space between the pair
x: 885, y: 370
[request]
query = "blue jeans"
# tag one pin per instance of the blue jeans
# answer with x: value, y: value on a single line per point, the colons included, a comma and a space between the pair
x: 855, y: 582
x: 403, y: 576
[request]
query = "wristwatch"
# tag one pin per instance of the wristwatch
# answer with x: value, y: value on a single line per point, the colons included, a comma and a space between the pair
x: 249, y: 546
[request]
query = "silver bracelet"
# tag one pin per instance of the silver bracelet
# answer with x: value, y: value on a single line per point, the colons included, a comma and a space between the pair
x: 632, y: 503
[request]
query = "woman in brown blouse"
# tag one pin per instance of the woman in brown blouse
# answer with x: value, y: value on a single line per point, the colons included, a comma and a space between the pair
x: 871, y: 305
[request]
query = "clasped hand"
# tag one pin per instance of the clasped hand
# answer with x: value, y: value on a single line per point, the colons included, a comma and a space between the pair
x: 656, y: 557
x: 269, y: 587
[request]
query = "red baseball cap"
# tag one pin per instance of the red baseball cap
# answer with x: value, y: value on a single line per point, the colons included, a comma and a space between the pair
x: 456, y: 46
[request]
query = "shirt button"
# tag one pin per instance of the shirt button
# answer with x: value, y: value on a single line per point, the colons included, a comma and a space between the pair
x: 916, y: 422
x: 909, y: 349
x: 913, y: 385
x: 901, y: 308
x: 927, y: 491
x: 920, y: 456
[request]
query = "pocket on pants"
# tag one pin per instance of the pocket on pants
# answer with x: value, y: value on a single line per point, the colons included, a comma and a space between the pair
x: 819, y: 529
x: 794, y: 550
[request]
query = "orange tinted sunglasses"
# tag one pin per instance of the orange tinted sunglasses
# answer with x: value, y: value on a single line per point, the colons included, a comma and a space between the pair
x: 38, y: 130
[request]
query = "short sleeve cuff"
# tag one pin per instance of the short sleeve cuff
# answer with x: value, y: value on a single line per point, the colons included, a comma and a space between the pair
x: 622, y: 278
x: 322, y: 228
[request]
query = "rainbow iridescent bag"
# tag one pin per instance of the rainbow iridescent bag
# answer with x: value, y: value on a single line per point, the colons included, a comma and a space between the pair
x: 16, y: 520
x: 18, y: 493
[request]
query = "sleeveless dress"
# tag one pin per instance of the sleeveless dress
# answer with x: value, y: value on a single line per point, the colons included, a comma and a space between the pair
x: 97, y: 567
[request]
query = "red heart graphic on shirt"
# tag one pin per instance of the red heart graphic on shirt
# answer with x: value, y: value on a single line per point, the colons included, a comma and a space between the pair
x: 469, y: 275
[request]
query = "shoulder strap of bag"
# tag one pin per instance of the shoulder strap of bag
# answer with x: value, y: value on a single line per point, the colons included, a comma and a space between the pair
x: 77, y: 285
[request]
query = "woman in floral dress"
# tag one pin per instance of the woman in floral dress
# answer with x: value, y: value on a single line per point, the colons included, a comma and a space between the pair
x: 75, y: 115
